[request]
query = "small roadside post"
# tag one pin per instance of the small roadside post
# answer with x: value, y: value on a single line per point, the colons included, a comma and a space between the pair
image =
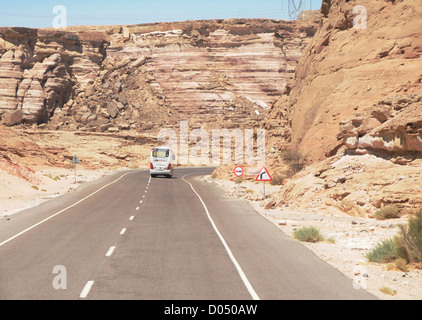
x: 75, y: 161
x: 263, y: 176
x: 238, y: 171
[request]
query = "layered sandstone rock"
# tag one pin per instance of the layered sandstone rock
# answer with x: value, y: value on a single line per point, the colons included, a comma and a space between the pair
x: 40, y: 69
x: 355, y: 184
x: 354, y: 110
x: 347, y: 71
x: 204, y: 71
x: 206, y: 65
x: 10, y: 75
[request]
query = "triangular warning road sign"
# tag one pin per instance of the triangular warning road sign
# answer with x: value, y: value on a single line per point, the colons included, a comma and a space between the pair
x: 263, y: 175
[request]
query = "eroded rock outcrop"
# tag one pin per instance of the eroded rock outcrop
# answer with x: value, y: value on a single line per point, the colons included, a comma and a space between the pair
x: 40, y: 69
x: 354, y: 110
x: 345, y: 73
x: 141, y: 75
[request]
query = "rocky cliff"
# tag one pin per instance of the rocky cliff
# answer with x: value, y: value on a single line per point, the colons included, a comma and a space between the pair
x: 354, y: 109
x: 145, y: 75
x: 40, y: 69
x: 358, y: 83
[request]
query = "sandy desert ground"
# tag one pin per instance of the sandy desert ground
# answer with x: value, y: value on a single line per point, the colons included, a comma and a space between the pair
x: 18, y: 194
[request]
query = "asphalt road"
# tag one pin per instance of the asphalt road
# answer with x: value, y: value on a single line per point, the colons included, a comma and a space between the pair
x: 127, y: 236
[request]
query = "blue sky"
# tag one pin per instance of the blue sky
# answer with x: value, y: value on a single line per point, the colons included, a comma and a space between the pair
x: 37, y: 14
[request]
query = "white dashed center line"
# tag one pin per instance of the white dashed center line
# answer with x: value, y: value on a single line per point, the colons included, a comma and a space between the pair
x: 110, y: 251
x: 86, y: 289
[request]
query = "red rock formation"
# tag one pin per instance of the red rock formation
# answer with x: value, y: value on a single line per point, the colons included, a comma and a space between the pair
x: 347, y: 74
x: 40, y: 69
x: 354, y: 109
x: 192, y: 69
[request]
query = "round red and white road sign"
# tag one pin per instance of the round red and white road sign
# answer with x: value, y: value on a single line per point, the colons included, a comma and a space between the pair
x: 238, y: 171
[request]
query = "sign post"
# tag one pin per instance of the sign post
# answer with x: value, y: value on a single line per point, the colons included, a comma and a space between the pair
x: 238, y: 171
x: 75, y: 161
x: 263, y: 176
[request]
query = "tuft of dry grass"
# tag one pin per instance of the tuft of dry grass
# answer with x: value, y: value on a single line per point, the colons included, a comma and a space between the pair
x: 388, y: 290
x: 308, y: 234
x: 390, y: 212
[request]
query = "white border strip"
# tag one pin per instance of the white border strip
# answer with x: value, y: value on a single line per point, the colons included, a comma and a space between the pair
x: 63, y: 210
x: 229, y: 252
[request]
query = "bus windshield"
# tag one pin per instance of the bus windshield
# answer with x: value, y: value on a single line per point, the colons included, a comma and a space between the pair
x: 160, y: 153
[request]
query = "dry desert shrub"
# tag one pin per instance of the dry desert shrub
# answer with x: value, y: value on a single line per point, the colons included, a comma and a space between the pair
x: 308, y: 234
x: 294, y: 160
x: 409, y: 240
x: 407, y: 245
x: 390, y: 212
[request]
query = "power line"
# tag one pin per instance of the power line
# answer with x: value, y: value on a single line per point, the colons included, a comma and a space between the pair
x: 286, y: 13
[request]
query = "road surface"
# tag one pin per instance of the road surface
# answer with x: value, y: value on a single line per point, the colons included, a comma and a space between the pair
x: 127, y: 236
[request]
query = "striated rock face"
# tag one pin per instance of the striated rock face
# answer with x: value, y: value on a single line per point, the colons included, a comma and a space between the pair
x: 353, y: 86
x: 356, y: 185
x: 137, y: 75
x: 354, y: 110
x: 200, y: 65
x: 10, y: 74
x: 393, y: 129
x: 40, y: 69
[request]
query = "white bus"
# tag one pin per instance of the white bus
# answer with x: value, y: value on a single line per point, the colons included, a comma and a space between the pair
x: 161, y: 162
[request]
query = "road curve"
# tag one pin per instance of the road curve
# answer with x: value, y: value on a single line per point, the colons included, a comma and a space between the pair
x: 128, y: 236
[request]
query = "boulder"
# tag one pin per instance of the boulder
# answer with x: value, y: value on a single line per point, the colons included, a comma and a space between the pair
x: 112, y: 110
x: 12, y: 118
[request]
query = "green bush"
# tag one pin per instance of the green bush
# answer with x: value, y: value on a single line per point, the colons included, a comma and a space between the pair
x: 308, y: 234
x: 406, y: 245
x: 391, y: 212
x: 409, y: 240
x: 385, y: 251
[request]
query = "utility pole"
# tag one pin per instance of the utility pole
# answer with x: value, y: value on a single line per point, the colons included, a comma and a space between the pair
x: 295, y: 7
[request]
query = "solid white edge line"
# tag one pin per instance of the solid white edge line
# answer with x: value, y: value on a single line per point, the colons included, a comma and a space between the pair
x: 229, y: 252
x: 63, y: 210
x: 86, y: 289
